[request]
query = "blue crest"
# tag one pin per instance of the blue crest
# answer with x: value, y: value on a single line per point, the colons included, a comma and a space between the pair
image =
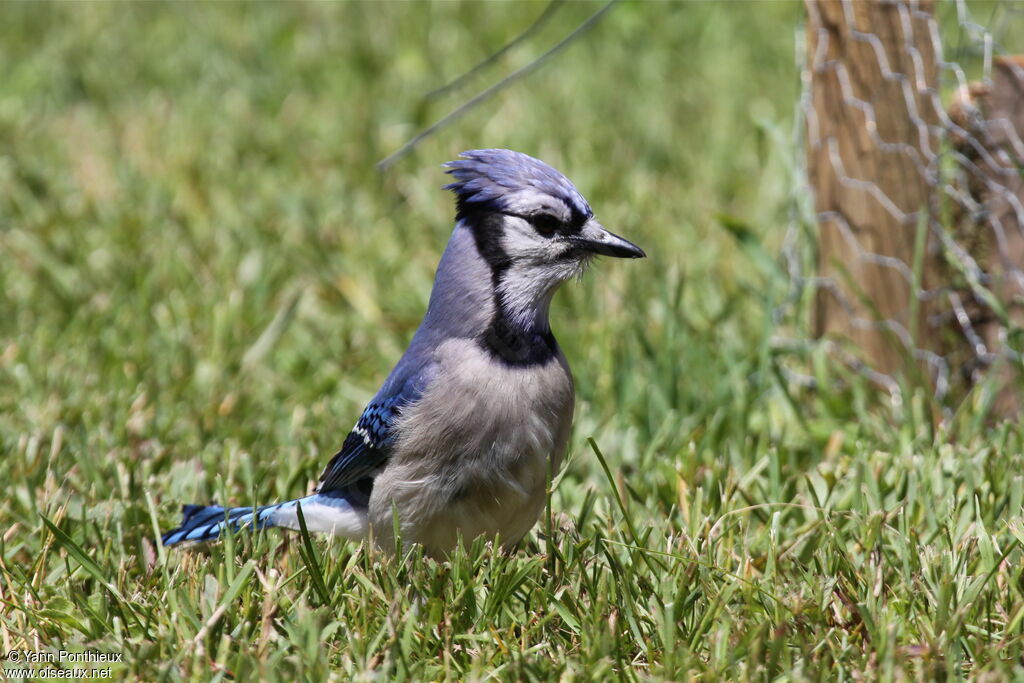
x: 485, y: 176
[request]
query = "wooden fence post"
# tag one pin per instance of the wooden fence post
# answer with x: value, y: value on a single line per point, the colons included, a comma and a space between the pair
x: 872, y: 166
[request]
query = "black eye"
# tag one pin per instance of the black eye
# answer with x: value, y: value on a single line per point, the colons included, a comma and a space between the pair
x: 545, y: 224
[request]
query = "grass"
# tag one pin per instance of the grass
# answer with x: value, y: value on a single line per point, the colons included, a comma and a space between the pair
x: 203, y: 279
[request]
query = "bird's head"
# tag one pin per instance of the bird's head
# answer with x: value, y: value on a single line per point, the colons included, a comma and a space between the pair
x: 530, y: 223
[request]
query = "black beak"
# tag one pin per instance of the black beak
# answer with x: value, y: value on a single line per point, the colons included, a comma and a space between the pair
x: 593, y: 237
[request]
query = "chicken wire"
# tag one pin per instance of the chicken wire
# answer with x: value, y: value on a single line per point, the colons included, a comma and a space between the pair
x: 975, y: 218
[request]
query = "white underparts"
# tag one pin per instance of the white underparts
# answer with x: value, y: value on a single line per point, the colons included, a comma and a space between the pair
x: 324, y: 515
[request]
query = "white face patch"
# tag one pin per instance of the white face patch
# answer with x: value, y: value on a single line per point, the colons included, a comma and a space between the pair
x: 521, y: 241
x: 538, y: 266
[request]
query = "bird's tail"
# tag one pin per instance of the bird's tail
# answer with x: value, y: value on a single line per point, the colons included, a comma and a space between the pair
x: 322, y: 513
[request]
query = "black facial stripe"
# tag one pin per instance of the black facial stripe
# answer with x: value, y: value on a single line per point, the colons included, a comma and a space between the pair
x: 486, y: 229
x: 572, y: 227
x: 503, y: 340
x: 578, y: 219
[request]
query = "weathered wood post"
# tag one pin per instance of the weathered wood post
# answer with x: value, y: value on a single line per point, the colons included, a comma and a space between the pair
x: 872, y: 165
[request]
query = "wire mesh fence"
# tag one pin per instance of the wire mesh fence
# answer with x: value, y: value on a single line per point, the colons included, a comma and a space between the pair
x: 906, y: 248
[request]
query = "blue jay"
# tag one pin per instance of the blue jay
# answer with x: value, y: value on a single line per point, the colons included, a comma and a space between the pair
x: 460, y: 438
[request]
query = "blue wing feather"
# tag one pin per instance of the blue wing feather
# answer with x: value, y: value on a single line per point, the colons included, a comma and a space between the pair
x: 367, y: 446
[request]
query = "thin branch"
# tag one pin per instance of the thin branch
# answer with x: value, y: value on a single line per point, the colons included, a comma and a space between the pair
x: 457, y: 82
x: 389, y: 161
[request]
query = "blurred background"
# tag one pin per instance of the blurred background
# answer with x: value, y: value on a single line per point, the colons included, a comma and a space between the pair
x: 198, y: 248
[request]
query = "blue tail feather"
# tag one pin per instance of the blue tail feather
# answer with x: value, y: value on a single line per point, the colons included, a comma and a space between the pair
x: 207, y: 522
x: 332, y: 513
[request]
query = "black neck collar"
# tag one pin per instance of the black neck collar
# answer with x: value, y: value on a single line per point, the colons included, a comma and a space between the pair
x: 505, y: 338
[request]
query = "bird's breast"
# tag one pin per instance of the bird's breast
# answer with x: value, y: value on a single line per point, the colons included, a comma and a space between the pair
x: 476, y: 401
x: 474, y: 453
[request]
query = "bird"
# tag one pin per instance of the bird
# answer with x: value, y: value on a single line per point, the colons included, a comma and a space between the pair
x: 465, y: 432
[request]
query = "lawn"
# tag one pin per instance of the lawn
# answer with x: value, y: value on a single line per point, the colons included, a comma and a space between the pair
x: 204, y: 277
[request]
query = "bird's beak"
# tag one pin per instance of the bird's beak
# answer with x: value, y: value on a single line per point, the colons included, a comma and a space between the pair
x: 593, y: 237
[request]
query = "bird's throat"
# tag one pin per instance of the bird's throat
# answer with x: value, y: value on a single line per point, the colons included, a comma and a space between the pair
x: 519, y: 332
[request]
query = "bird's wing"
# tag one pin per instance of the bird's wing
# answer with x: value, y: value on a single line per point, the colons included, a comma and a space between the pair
x: 367, y: 446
